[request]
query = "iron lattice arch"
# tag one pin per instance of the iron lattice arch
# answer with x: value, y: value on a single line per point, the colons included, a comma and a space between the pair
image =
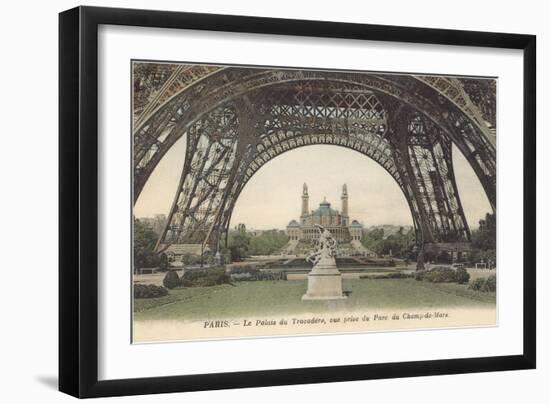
x: 235, y: 120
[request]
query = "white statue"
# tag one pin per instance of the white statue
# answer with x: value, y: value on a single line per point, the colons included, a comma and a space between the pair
x: 326, y: 248
x: 324, y: 281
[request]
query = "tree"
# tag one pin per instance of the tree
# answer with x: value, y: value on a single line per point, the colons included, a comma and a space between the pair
x: 373, y: 240
x: 238, y: 243
x: 485, y: 237
x: 484, y: 241
x: 144, y: 243
x: 267, y: 242
x: 400, y: 244
x: 241, y: 244
x: 238, y: 246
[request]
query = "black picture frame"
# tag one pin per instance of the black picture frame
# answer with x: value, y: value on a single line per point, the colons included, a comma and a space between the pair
x: 78, y: 196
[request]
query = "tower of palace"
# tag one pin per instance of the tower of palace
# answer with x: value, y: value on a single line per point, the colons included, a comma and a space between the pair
x: 338, y: 223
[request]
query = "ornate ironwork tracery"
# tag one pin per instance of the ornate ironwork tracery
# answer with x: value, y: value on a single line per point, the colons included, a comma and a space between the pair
x: 236, y: 120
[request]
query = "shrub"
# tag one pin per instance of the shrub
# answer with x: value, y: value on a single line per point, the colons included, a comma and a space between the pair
x: 244, y: 270
x: 241, y: 276
x: 148, y: 291
x: 204, y: 277
x: 491, y: 284
x: 171, y: 279
x: 488, y: 284
x: 391, y: 275
x: 396, y: 275
x: 462, y: 276
x: 477, y: 284
x: 257, y: 275
x: 443, y: 275
x: 191, y: 259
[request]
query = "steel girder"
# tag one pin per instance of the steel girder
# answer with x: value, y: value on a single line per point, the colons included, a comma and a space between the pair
x: 236, y: 120
x: 425, y: 155
x: 168, y: 123
x: 160, y: 82
x: 227, y: 146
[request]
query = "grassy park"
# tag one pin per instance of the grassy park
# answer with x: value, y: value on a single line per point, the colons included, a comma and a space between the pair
x: 274, y: 297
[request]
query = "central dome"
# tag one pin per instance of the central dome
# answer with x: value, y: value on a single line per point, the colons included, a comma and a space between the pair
x: 325, y: 209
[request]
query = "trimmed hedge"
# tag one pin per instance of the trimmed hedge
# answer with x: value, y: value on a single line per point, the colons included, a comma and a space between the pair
x: 488, y: 284
x: 444, y: 275
x: 171, y: 279
x: 257, y: 275
x: 391, y: 275
x: 200, y: 277
x: 148, y: 291
x: 244, y: 270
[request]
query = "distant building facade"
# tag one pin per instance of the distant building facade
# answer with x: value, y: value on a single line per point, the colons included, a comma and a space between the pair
x: 338, y: 223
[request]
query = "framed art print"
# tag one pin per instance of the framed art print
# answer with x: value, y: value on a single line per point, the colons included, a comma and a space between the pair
x: 358, y: 197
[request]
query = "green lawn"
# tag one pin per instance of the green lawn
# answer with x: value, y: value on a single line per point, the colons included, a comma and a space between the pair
x: 275, y: 297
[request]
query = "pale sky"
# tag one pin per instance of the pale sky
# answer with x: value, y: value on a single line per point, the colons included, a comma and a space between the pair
x: 272, y: 197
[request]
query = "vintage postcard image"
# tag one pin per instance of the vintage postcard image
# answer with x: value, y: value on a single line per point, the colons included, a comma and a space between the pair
x: 275, y: 201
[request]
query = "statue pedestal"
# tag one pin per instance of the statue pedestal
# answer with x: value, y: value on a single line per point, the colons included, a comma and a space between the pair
x: 324, y: 282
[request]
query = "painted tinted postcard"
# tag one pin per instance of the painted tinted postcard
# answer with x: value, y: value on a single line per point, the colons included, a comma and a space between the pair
x: 275, y: 201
